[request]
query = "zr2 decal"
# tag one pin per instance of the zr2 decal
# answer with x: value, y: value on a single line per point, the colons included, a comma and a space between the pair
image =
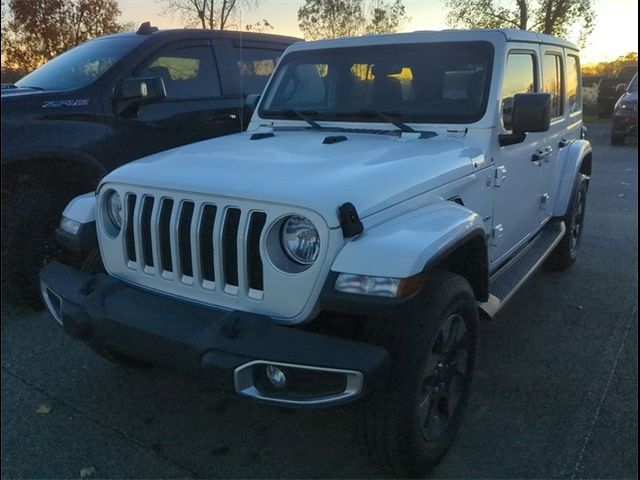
x: 80, y: 102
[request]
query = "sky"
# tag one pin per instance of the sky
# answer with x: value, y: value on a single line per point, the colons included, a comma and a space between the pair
x: 615, y: 34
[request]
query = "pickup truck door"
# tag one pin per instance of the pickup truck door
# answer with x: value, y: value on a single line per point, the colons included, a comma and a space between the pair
x: 194, y: 109
x: 519, y: 174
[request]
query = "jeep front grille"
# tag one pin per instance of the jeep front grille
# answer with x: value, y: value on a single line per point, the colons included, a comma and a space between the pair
x: 183, y: 241
x: 215, y: 250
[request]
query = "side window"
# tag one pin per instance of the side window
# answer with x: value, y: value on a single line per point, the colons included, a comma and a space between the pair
x: 519, y: 77
x: 552, y: 82
x: 256, y: 65
x: 574, y: 92
x: 188, y: 73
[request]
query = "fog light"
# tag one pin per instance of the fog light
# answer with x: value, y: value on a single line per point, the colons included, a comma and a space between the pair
x: 276, y: 376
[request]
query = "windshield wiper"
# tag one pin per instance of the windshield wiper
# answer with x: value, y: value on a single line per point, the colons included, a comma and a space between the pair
x: 302, y: 115
x: 386, y: 116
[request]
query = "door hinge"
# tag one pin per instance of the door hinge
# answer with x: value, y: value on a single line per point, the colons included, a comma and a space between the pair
x: 500, y: 175
x: 496, y: 234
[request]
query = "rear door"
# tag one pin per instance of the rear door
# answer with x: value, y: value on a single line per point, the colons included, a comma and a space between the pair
x: 557, y: 138
x: 250, y: 65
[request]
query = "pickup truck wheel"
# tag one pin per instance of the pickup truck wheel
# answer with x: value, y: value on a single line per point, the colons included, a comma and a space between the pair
x: 29, y: 219
x: 408, y: 426
x: 617, y: 138
x: 566, y: 251
x: 92, y: 263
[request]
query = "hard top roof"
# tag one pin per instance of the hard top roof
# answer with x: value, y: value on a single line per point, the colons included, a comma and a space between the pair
x: 491, y: 35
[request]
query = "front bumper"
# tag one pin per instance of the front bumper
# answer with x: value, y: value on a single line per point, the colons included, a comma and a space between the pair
x: 227, y: 350
x: 625, y: 123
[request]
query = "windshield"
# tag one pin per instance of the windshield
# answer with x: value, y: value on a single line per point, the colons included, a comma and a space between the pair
x: 633, y: 86
x: 422, y: 83
x: 81, y: 65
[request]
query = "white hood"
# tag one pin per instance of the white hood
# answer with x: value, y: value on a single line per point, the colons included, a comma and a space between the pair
x: 372, y: 171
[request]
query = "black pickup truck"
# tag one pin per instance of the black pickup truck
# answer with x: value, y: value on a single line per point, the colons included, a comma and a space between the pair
x: 608, y: 92
x: 107, y: 102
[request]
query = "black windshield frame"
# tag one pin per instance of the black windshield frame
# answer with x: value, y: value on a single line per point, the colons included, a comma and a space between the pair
x: 480, y: 50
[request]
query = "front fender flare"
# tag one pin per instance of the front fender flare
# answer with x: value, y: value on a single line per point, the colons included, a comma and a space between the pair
x: 405, y: 245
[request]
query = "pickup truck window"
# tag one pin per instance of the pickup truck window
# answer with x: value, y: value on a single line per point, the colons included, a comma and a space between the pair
x: 552, y: 82
x: 188, y: 72
x: 574, y: 96
x: 256, y: 66
x: 81, y: 65
x: 428, y: 83
x: 519, y: 77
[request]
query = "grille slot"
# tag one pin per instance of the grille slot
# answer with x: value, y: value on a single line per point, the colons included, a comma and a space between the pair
x: 254, y: 261
x: 145, y: 230
x: 164, y: 234
x: 230, y: 246
x: 130, y: 244
x: 206, y: 242
x: 184, y: 240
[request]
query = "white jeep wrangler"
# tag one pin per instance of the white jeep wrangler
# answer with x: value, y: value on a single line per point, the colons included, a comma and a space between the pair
x: 389, y: 191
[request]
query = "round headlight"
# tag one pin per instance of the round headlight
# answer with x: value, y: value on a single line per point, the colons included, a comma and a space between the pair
x: 300, y: 240
x: 113, y: 206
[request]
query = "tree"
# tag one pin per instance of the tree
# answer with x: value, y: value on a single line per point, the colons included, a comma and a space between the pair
x: 385, y: 18
x: 610, y: 68
x: 339, y: 18
x: 35, y: 31
x: 209, y: 14
x: 553, y: 17
x: 260, y: 26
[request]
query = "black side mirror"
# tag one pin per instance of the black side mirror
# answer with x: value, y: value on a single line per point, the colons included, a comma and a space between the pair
x: 621, y: 88
x: 143, y: 89
x: 531, y: 112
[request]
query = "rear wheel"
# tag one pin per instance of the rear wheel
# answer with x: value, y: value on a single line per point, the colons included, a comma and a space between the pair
x: 566, y: 251
x: 408, y: 427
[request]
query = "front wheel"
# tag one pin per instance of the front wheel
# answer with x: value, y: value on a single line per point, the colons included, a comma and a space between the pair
x: 408, y: 427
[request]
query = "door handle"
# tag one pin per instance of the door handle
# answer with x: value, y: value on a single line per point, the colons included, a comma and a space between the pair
x: 542, y: 154
x: 223, y: 117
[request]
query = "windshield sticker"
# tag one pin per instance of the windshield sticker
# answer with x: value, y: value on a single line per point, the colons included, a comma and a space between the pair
x: 80, y: 102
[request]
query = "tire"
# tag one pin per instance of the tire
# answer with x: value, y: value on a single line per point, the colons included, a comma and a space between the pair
x: 393, y: 430
x: 29, y: 219
x: 617, y: 138
x: 566, y: 251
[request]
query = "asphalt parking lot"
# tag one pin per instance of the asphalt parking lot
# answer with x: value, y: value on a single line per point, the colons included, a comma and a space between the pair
x: 555, y: 395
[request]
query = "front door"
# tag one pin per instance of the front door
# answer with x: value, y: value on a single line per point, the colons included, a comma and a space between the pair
x: 194, y: 109
x: 519, y: 172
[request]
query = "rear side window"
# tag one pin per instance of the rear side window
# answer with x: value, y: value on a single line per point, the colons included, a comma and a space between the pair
x: 188, y: 73
x: 520, y: 77
x: 574, y: 97
x: 256, y: 66
x: 552, y: 82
